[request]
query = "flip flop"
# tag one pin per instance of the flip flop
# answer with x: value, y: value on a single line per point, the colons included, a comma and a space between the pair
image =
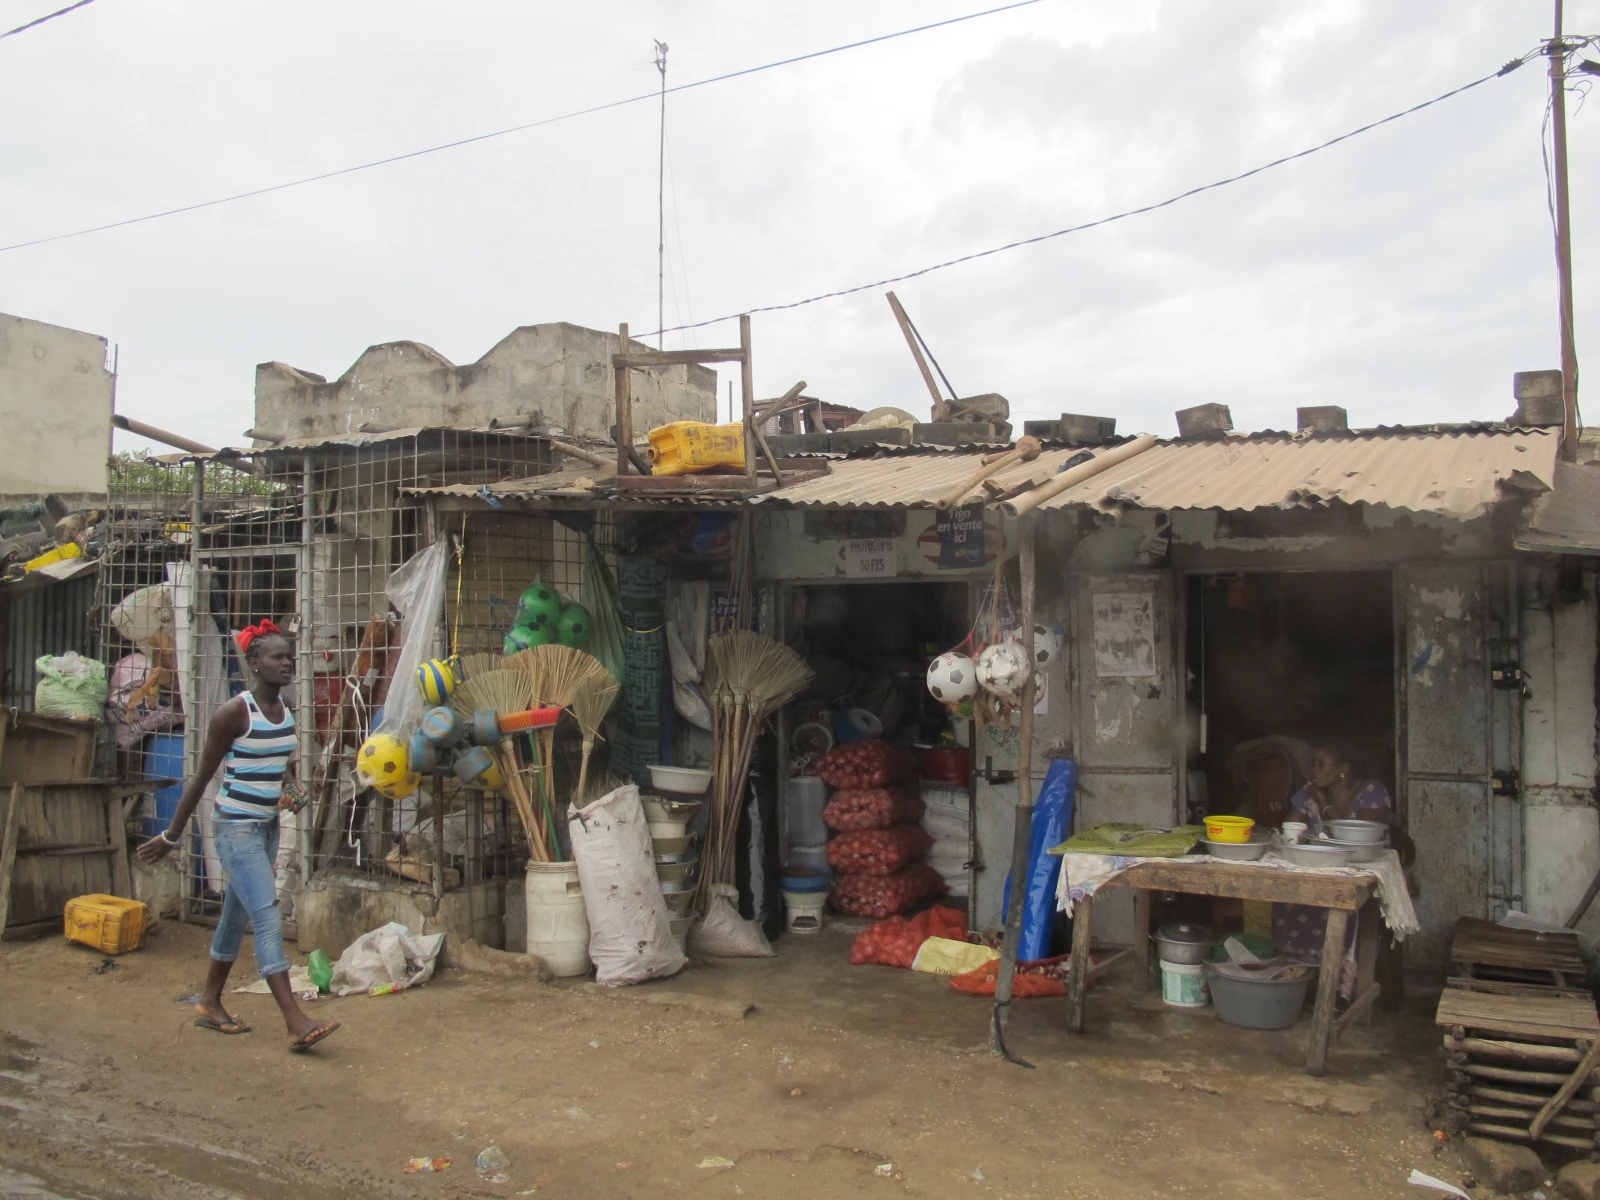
x: 313, y: 1035
x: 230, y: 1027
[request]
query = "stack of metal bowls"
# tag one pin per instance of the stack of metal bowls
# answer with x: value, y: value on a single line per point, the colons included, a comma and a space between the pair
x: 1366, y: 840
x: 677, y: 855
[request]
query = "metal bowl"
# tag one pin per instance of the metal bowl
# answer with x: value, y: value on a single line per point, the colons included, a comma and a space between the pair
x: 669, y: 872
x: 663, y: 808
x: 1357, y: 831
x: 1360, y: 852
x: 1180, y: 943
x: 1317, y: 855
x: 670, y: 847
x: 1237, y: 851
x: 678, y: 902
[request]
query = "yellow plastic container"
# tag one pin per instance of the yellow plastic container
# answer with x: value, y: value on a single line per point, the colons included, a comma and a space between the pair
x: 50, y: 557
x: 110, y: 924
x: 1229, y: 829
x: 687, y: 447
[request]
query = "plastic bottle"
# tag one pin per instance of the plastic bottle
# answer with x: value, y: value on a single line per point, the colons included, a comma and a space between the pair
x: 320, y: 970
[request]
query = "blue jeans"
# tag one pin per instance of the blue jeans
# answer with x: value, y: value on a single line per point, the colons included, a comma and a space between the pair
x: 248, y: 851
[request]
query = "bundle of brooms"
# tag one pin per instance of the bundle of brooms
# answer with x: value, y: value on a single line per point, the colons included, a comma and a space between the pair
x: 748, y: 678
x: 542, y: 677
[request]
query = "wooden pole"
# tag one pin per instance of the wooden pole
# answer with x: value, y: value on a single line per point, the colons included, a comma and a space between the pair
x: 1558, y: 136
x: 1057, y: 484
x: 1022, y: 827
x: 624, y: 403
x: 748, y: 387
x: 941, y: 410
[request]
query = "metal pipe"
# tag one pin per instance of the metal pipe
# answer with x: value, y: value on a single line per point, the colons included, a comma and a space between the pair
x: 1030, y: 500
x: 1558, y: 136
x: 176, y: 440
x: 306, y: 692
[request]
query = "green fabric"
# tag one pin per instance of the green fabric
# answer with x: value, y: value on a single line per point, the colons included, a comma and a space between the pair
x: 1134, y: 841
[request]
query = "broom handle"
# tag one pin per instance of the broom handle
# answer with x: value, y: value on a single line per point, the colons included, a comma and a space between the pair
x: 519, y: 798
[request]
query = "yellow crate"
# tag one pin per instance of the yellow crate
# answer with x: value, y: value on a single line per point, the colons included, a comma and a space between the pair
x: 685, y: 447
x: 110, y: 924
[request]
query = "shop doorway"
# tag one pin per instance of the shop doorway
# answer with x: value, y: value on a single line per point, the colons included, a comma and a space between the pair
x: 1279, y: 664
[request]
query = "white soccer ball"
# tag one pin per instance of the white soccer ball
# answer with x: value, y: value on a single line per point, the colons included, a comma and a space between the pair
x: 1003, y: 669
x: 952, y: 678
x: 1044, y: 646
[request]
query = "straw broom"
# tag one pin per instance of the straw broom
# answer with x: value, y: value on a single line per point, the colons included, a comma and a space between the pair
x: 505, y: 691
x: 750, y: 677
x: 569, y: 678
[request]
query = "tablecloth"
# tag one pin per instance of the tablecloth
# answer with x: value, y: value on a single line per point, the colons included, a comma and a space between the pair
x: 1082, y: 875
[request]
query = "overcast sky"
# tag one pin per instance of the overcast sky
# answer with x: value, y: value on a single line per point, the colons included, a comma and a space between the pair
x: 1404, y: 275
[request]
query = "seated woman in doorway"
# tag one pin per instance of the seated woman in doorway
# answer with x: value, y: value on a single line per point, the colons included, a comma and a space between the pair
x: 1335, y: 792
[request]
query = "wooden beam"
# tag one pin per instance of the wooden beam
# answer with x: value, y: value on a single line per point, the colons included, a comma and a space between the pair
x: 8, y: 850
x: 941, y: 410
x: 674, y: 358
x: 747, y: 386
x: 771, y: 408
x: 588, y: 456
x: 624, y: 428
x: 1569, y: 1089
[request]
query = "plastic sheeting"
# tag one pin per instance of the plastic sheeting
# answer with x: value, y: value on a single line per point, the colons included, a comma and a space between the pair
x: 416, y: 591
x: 1052, y: 817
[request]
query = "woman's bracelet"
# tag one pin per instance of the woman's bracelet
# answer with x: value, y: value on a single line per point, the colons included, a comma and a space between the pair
x: 169, y: 841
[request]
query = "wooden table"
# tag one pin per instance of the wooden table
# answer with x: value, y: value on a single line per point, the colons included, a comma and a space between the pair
x: 1342, y: 895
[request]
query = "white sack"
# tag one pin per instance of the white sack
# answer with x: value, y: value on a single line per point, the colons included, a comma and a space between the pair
x: 630, y: 939
x: 391, y: 955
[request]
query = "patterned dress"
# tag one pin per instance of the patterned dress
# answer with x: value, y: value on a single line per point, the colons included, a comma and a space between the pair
x: 1300, y: 929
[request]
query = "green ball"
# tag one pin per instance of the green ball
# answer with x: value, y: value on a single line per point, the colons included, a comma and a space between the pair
x: 520, y: 638
x: 574, y: 626
x: 538, y: 601
x: 542, y: 636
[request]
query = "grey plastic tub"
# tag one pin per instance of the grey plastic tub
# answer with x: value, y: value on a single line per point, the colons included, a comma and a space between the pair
x: 1258, y: 1003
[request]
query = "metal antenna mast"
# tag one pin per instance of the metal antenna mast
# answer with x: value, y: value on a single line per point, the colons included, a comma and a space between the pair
x: 661, y: 202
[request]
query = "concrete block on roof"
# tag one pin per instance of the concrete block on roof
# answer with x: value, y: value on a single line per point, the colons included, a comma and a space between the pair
x: 991, y: 404
x: 1076, y: 428
x: 1539, y: 398
x: 1324, y: 418
x: 842, y: 441
x: 1203, y: 420
x: 786, y: 444
x: 953, y: 433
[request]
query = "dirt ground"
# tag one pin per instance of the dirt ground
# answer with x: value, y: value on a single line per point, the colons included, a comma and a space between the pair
x: 843, y: 1082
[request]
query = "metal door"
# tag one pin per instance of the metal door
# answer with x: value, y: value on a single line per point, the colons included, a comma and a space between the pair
x: 1452, y: 616
x: 1126, y: 728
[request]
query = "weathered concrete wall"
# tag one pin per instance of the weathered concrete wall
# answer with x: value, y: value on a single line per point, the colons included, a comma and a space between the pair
x: 334, y: 908
x: 55, y: 410
x: 1561, y: 833
x: 559, y: 374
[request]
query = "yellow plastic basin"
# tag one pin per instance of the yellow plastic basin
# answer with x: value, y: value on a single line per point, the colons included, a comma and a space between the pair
x: 1229, y: 829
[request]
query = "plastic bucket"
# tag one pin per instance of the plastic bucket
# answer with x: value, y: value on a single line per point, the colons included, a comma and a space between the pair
x: 1183, y: 985
x: 558, y: 927
x: 163, y: 759
x: 804, y: 911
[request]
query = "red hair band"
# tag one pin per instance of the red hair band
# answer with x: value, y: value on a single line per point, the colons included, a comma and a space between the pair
x: 251, y: 632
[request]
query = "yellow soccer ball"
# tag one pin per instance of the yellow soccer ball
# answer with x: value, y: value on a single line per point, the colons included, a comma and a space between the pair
x: 383, y: 761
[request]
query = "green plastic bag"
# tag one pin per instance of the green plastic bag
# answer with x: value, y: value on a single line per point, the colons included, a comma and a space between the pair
x: 70, y: 686
x: 320, y: 970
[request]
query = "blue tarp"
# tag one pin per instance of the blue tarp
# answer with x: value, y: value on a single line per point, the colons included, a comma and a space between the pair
x: 1052, y: 818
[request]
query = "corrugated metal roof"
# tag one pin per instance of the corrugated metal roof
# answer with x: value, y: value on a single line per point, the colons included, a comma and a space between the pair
x: 1457, y: 474
x: 345, y: 441
x: 1567, y: 519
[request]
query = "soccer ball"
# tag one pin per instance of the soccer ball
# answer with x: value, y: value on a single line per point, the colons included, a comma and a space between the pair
x: 952, y: 678
x: 1044, y: 646
x: 1003, y: 669
x: 538, y: 606
x: 383, y: 762
x: 399, y: 789
x: 436, y: 680
x: 574, y: 625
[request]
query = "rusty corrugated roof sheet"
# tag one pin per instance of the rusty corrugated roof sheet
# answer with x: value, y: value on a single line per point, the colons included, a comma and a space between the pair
x: 1456, y: 473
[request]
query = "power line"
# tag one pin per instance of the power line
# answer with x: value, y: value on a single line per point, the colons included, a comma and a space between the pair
x: 1121, y: 216
x: 658, y: 95
x: 60, y: 12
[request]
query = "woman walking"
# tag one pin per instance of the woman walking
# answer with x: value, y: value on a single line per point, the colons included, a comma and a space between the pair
x: 253, y: 737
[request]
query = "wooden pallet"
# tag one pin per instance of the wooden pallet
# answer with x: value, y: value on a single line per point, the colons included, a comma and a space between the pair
x: 1523, y: 1068
x: 1515, y: 962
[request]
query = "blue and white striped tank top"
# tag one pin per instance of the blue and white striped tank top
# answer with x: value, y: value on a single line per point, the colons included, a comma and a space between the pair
x: 252, y: 776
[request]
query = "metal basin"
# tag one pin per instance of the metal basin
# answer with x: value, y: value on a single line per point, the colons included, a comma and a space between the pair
x: 1236, y: 851
x: 1357, y: 831
x: 1317, y: 855
x: 1184, y: 944
x: 1360, y: 852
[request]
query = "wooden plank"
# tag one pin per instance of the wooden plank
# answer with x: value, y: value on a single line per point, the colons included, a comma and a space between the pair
x: 1246, y: 881
x: 1538, y: 1079
x: 624, y: 388
x: 1569, y: 1089
x: 1327, y: 990
x: 8, y: 850
x: 675, y: 358
x: 1531, y: 1100
x: 1502, y: 987
x: 1532, y: 1016
x: 1505, y: 1134
x: 1142, y: 905
x: 1478, y: 941
x: 1517, y: 1051
x: 941, y: 411
x: 121, y: 869
x: 747, y: 390
x: 1369, y: 928
x: 1500, y: 1112
x: 1359, y: 1007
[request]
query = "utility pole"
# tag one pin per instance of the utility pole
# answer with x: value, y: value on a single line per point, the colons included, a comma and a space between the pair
x: 661, y: 202
x: 1558, y: 131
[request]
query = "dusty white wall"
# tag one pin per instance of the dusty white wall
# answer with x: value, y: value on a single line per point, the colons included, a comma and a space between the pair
x: 55, y: 410
x: 1561, y: 832
x: 559, y: 374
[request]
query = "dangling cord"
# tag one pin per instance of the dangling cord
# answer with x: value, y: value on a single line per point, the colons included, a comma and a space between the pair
x: 461, y: 551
